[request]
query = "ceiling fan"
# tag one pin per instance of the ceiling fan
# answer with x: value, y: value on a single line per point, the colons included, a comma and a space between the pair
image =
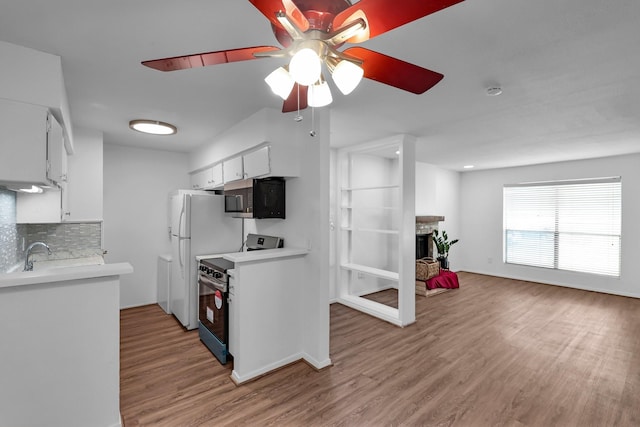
x: 311, y: 32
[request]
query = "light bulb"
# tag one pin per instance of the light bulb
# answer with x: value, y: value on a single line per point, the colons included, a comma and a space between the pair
x: 280, y: 82
x: 347, y: 76
x: 305, y: 67
x: 319, y: 95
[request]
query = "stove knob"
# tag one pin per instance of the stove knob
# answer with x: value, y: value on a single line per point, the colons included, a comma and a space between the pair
x: 217, y: 274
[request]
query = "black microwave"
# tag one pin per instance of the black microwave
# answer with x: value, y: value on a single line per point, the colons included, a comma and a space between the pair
x: 255, y: 198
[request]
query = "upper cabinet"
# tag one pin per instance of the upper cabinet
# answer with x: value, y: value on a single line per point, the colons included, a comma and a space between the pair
x: 84, y: 189
x: 35, y: 78
x: 199, y: 179
x: 80, y: 199
x: 209, y: 178
x: 56, y: 152
x: 268, y: 159
x: 232, y: 169
x: 257, y: 163
x: 254, y: 164
x: 32, y: 145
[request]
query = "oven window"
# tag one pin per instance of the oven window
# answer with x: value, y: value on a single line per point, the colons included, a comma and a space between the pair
x: 213, y: 311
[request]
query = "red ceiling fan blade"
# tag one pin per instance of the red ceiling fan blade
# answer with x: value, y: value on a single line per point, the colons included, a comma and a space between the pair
x: 291, y: 103
x: 269, y: 8
x: 205, y: 59
x: 385, y: 15
x: 394, y: 72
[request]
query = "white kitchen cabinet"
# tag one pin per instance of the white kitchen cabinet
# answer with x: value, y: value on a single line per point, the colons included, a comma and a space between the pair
x: 217, y: 177
x: 199, y: 179
x: 209, y: 178
x: 257, y: 163
x: 83, y: 190
x: 252, y: 164
x: 80, y: 198
x: 232, y: 169
x: 39, y: 208
x: 23, y: 143
x: 56, y: 152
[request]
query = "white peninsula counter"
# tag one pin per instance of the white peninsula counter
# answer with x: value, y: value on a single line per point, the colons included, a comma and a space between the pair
x: 267, y: 316
x: 60, y: 352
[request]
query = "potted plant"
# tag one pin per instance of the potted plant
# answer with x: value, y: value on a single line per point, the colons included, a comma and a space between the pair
x: 442, y: 245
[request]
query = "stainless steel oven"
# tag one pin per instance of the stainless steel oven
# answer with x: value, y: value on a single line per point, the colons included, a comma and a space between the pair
x: 213, y: 307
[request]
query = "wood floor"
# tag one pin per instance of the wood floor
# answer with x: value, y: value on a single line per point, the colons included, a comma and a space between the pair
x: 495, y: 352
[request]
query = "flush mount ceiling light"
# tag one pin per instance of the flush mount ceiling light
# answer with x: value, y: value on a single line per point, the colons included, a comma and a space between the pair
x: 494, y: 91
x: 153, y: 127
x: 312, y: 33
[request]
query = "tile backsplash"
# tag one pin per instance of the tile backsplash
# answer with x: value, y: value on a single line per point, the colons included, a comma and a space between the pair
x: 8, y: 230
x: 66, y: 240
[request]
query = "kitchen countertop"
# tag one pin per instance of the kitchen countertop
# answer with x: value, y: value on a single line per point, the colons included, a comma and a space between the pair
x: 261, y: 255
x: 63, y: 273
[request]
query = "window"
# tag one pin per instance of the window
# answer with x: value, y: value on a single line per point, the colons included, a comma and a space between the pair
x: 565, y: 225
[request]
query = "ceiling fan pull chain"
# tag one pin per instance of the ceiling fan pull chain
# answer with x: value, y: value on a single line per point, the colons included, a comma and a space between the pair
x: 312, y: 132
x: 298, y: 117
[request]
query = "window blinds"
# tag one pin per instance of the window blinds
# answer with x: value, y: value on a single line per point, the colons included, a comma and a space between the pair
x: 565, y: 225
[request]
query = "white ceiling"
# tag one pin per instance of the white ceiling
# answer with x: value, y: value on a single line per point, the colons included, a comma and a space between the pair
x: 569, y: 69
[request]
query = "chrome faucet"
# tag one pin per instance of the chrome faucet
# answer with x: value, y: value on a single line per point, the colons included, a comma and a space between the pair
x: 28, y: 265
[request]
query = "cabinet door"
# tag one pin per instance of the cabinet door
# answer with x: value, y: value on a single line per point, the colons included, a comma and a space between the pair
x: 199, y: 179
x: 24, y: 142
x: 65, y: 213
x: 56, y: 153
x: 217, y: 178
x: 256, y: 163
x: 82, y: 193
x: 232, y: 169
x: 39, y: 208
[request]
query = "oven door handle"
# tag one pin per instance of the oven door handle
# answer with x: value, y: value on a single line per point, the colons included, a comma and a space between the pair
x: 211, y: 284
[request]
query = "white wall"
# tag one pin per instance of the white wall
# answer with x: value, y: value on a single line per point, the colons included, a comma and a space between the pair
x: 86, y: 176
x: 136, y: 186
x: 307, y: 207
x: 481, y: 220
x: 438, y: 193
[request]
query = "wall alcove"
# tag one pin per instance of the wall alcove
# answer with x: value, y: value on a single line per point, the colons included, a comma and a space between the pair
x: 376, y: 233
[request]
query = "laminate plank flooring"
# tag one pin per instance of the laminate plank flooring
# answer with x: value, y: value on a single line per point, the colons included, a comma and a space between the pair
x: 496, y: 352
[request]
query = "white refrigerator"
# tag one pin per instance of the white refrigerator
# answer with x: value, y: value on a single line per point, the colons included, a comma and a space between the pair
x: 199, y: 226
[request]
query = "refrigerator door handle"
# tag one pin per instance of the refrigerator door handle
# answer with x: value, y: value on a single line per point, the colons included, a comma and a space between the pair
x: 180, y: 241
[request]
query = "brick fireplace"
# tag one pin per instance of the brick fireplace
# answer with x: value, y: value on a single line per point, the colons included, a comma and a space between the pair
x: 424, y: 234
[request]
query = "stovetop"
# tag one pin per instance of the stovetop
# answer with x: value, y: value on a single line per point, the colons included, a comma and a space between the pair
x: 219, y: 264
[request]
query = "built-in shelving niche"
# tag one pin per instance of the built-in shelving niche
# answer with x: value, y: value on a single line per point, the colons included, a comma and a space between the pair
x: 376, y: 240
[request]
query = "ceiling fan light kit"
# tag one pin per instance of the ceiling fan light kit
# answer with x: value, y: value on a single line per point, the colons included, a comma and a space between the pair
x: 305, y: 67
x: 319, y: 95
x: 347, y: 76
x: 311, y: 32
x: 280, y: 82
